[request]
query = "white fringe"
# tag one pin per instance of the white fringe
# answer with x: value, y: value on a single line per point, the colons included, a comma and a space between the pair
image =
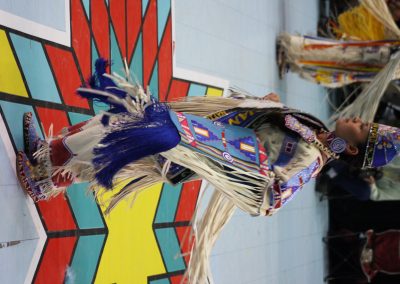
x: 245, y: 189
x: 206, y: 230
x: 367, y: 102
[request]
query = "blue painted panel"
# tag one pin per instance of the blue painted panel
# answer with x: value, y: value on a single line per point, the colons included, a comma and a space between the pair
x: 160, y: 281
x: 144, y: 6
x: 13, y: 115
x: 196, y: 90
x: 168, y: 203
x: 85, y: 259
x: 78, y: 117
x: 95, y: 55
x: 170, y: 249
x: 117, y: 64
x: 154, y: 81
x: 86, y: 5
x: 84, y: 206
x: 163, y: 8
x: 36, y: 69
x: 136, y: 67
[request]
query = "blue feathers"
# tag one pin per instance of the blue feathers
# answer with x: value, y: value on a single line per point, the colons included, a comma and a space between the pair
x: 130, y: 141
x: 102, y: 83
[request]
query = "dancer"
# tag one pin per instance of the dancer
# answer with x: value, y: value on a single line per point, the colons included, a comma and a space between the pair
x: 256, y: 153
x: 367, y: 37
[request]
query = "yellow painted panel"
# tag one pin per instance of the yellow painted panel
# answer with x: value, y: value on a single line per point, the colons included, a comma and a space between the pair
x: 10, y: 78
x: 131, y: 252
x: 214, y: 92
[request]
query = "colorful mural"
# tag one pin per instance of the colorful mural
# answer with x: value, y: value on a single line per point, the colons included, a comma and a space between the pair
x: 139, y: 243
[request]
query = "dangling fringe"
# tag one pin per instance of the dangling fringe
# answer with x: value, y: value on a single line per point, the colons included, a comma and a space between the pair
x: 206, y: 230
x: 367, y: 102
x: 381, y: 12
x: 245, y: 189
x: 143, y: 173
x: 359, y: 24
x: 46, y: 185
x: 204, y: 106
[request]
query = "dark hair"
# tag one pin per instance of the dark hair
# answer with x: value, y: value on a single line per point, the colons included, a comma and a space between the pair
x: 355, y: 160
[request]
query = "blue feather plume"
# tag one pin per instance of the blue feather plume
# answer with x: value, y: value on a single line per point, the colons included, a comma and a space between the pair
x: 131, y: 141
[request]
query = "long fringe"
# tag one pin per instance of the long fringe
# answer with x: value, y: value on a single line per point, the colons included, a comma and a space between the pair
x: 206, y: 230
x: 367, y: 102
x: 380, y: 10
x: 245, y: 189
x: 205, y: 106
x: 48, y: 189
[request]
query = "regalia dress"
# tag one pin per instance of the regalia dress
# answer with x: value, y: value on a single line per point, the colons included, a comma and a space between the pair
x: 253, y: 162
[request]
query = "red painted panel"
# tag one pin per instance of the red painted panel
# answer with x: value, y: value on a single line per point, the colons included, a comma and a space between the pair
x: 176, y: 279
x: 178, y: 89
x: 55, y: 260
x: 133, y: 22
x: 101, y: 28
x: 81, y: 39
x: 188, y: 200
x: 165, y: 61
x: 149, y: 41
x: 185, y: 241
x: 55, y: 213
x: 67, y: 76
x: 118, y: 18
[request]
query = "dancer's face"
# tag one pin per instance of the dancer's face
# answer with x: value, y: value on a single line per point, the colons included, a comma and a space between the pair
x: 353, y: 130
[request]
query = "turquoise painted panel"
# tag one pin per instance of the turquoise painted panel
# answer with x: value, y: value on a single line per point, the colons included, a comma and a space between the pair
x: 85, y: 208
x: 144, y: 6
x: 136, y: 67
x: 196, y: 90
x: 154, y: 82
x: 170, y: 249
x: 82, y: 202
x: 99, y: 107
x: 86, y: 257
x: 95, y: 54
x: 36, y: 69
x: 78, y: 117
x: 160, y: 281
x: 86, y: 5
x: 168, y: 203
x: 13, y: 115
x: 117, y: 64
x: 163, y: 8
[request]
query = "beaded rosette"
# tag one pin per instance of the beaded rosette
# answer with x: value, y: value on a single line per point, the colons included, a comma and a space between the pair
x: 383, y: 145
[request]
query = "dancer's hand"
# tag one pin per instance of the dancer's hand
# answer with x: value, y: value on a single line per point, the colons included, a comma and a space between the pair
x: 272, y: 97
